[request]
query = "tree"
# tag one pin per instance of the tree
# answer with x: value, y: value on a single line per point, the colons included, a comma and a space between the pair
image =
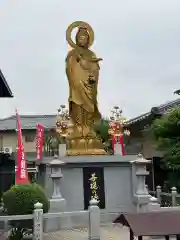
x: 20, y: 200
x: 166, y: 132
x: 101, y: 128
x: 177, y: 92
x: 52, y: 140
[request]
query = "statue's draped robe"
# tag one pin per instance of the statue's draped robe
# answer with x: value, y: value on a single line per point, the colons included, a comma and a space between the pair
x: 83, y: 107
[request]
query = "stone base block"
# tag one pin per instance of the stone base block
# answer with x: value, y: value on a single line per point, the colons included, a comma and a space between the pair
x: 62, y: 222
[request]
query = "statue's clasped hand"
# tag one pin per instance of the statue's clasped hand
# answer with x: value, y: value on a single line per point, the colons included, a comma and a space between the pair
x: 91, y: 79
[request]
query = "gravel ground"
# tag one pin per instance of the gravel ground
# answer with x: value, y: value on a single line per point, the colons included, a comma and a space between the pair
x: 112, y: 232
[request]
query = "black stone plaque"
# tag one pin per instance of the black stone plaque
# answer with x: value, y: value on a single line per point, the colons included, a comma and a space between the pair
x: 93, y: 177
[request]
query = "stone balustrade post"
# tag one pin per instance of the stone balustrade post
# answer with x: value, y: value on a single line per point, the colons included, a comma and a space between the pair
x: 94, y: 220
x: 174, y: 193
x: 141, y: 194
x: 38, y: 221
x: 153, y: 204
x: 158, y: 193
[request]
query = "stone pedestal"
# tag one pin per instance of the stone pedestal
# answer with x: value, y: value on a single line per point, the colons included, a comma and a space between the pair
x: 141, y: 195
x: 118, y: 149
x: 62, y: 150
x: 57, y: 202
x: 116, y: 171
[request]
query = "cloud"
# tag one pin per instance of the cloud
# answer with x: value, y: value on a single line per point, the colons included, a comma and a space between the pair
x: 138, y: 41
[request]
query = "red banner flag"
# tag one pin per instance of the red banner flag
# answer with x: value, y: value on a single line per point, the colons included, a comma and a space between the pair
x: 21, y: 172
x: 39, y: 141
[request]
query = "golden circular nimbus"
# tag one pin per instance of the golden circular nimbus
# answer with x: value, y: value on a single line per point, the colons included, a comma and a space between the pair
x: 75, y: 25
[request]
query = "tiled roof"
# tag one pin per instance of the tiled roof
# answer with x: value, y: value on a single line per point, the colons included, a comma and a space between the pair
x: 163, y: 109
x: 28, y: 122
x: 49, y: 121
x: 5, y: 90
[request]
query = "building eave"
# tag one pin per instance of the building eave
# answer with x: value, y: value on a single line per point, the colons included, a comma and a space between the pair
x: 5, y: 91
x: 163, y: 109
x: 28, y: 122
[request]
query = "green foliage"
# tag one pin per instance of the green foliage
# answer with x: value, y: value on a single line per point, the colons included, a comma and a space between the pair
x: 101, y: 128
x: 20, y: 200
x: 52, y: 140
x: 166, y: 200
x: 173, y: 180
x: 166, y: 132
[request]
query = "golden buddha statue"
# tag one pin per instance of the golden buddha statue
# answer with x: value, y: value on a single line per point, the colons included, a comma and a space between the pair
x: 82, y: 69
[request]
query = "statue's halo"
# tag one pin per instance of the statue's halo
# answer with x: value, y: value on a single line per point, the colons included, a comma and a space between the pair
x: 78, y: 24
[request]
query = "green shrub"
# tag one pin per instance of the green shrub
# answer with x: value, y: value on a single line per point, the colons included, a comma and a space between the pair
x: 20, y: 200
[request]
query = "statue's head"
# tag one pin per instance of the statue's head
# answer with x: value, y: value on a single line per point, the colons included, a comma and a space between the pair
x: 82, y: 37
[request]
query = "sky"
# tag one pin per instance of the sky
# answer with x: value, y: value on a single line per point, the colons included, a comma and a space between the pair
x: 139, y: 41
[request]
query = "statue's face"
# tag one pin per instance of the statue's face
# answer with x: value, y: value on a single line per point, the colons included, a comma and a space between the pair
x: 82, y: 41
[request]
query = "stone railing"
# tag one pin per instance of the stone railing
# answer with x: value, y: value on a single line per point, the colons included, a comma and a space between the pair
x: 154, y: 205
x: 166, y: 199
x: 39, y: 219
